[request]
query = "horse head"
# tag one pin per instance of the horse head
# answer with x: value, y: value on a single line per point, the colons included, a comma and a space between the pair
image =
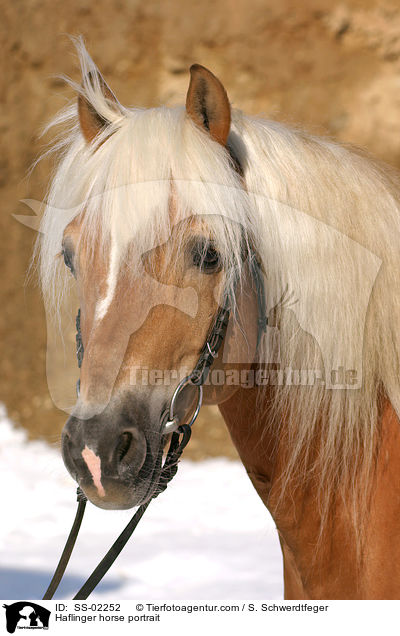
x: 150, y: 281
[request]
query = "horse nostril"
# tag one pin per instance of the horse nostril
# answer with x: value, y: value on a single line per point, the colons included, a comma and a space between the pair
x: 130, y: 452
x: 124, y: 444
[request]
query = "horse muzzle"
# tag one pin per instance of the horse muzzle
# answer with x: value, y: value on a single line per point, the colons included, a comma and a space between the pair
x: 115, y: 461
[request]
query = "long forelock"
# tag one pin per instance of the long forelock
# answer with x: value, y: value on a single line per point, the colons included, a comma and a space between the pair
x: 122, y: 187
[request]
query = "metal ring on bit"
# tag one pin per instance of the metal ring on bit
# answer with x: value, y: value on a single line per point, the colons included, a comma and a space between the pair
x: 173, y: 421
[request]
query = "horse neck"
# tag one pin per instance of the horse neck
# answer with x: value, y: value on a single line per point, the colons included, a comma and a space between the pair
x: 328, y: 564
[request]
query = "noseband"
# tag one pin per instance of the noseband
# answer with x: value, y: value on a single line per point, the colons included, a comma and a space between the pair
x: 170, y: 423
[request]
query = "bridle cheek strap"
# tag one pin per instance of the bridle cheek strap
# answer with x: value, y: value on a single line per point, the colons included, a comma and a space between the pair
x: 212, y: 346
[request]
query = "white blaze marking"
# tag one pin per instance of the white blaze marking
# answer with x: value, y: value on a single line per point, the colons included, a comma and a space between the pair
x: 113, y: 268
x: 94, y: 464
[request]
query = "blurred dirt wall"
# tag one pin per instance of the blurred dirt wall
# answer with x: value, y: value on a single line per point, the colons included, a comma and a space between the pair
x: 332, y: 67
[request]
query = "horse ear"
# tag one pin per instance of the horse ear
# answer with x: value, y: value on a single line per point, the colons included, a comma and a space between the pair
x: 207, y: 103
x: 91, y: 121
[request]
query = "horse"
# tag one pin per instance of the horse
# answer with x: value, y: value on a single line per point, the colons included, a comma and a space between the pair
x: 156, y: 217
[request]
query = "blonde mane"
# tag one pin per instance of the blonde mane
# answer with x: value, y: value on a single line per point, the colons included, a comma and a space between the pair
x: 323, y: 219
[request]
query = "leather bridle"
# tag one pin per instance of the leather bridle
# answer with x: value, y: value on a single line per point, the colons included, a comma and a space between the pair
x: 170, y: 423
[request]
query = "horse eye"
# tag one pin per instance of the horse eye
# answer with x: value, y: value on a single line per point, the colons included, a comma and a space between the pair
x: 68, y: 259
x: 206, y: 257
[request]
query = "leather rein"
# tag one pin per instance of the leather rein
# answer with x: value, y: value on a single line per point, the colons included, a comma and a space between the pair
x: 170, y: 424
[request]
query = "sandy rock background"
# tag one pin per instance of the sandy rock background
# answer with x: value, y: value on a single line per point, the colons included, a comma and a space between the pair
x: 331, y: 67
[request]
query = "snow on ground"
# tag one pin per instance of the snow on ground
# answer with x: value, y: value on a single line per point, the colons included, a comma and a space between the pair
x: 207, y: 537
